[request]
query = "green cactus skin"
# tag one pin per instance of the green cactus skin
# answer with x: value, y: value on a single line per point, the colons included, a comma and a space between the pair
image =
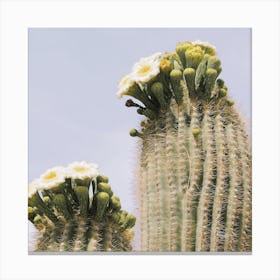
x: 88, y: 222
x: 195, y: 162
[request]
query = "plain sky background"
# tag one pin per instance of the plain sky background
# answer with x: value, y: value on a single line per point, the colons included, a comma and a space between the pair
x: 74, y: 114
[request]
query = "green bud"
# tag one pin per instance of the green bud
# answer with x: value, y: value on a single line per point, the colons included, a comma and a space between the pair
x: 200, y: 71
x: 47, y: 199
x: 36, y: 201
x: 210, y: 77
x: 149, y: 113
x: 193, y: 57
x: 37, y: 219
x: 104, y: 187
x: 176, y: 76
x: 130, y: 221
x: 102, y: 199
x: 123, y: 217
x: 135, y: 133
x: 214, y: 62
x: 157, y: 90
x: 82, y: 182
x: 115, y: 203
x: 140, y: 111
x: 222, y: 92
x: 230, y: 103
x: 220, y: 83
x: 30, y: 210
x: 102, y: 178
x: 82, y: 194
x: 31, y: 213
x: 196, y: 131
x: 219, y: 70
x: 180, y: 50
x: 206, y: 48
x: 61, y: 205
x: 137, y: 93
x: 165, y: 66
x: 115, y: 217
x: 189, y: 74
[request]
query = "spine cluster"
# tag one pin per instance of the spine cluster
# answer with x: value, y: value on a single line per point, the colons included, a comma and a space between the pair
x: 78, y: 213
x: 195, y: 165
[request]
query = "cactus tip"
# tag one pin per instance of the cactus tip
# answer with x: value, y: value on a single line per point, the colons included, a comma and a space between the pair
x: 230, y: 103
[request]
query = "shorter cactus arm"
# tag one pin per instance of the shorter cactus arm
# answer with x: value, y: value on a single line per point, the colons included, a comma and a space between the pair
x: 69, y: 220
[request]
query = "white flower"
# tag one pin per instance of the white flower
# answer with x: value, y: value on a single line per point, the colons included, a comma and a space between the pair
x: 52, y: 178
x: 82, y: 170
x: 124, y: 85
x: 146, y: 69
x: 33, y: 187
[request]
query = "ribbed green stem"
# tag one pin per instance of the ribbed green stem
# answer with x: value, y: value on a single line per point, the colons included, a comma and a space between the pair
x: 245, y: 240
x: 80, y: 238
x: 152, y: 192
x: 116, y: 242
x: 221, y: 192
x: 183, y: 168
x: 107, y: 238
x: 161, y: 186
x: 55, y: 237
x: 191, y: 195
x: 67, y: 237
x: 234, y: 209
x: 143, y: 193
x: 43, y: 239
x: 94, y: 239
x: 171, y: 171
x: 204, y: 217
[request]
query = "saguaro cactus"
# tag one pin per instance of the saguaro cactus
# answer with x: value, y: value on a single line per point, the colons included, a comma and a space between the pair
x: 74, y: 209
x: 194, y: 181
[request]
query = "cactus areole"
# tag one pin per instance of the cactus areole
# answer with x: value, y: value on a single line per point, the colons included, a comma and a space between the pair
x: 194, y: 181
x: 74, y: 209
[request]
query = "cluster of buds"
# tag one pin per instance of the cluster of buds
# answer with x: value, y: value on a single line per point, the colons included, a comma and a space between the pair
x: 157, y: 79
x: 65, y: 194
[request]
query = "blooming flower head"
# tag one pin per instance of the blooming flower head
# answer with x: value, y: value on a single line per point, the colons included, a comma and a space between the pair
x: 82, y: 170
x: 33, y: 187
x: 146, y: 69
x: 124, y: 85
x: 52, y: 178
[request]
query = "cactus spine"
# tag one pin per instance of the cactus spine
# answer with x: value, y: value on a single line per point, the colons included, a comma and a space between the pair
x: 195, y: 163
x: 71, y: 216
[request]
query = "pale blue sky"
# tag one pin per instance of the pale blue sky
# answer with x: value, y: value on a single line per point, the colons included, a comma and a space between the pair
x: 74, y: 113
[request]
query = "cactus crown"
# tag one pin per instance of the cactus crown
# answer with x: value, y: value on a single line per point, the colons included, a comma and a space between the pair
x: 157, y: 79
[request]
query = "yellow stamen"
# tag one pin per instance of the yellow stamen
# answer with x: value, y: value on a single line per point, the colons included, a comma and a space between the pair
x: 144, y: 70
x: 50, y: 176
x: 80, y: 169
